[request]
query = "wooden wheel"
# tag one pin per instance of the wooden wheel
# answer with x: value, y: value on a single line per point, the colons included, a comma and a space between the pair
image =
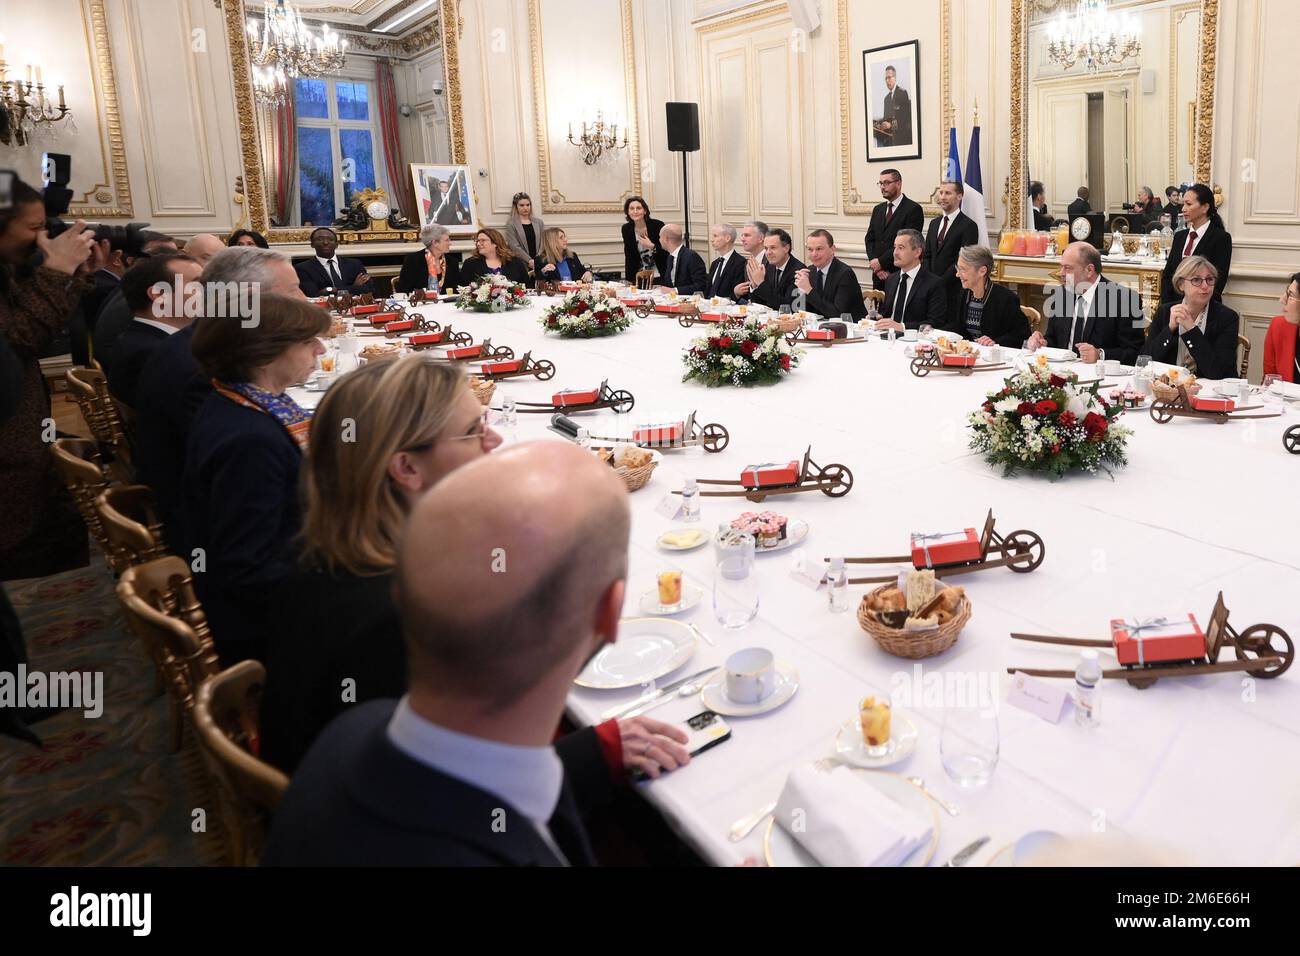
x: 544, y: 370
x: 835, y: 481
x: 461, y: 338
x: 1024, y: 543
x: 756, y: 496
x: 1291, y: 439
x: 643, y: 311
x: 1142, y: 683
x: 714, y: 437
x: 920, y: 367
x: 500, y: 352
x: 622, y: 401
x: 1266, y: 639
x: 1160, y: 412
x: 684, y: 321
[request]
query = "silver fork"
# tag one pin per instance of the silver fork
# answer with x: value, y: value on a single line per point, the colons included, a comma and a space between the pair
x: 702, y: 636
x: 745, y: 825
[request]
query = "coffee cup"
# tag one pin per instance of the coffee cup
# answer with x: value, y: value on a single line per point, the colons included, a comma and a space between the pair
x: 1232, y: 386
x: 995, y: 354
x: 751, y: 675
x: 910, y: 335
x: 1114, y: 367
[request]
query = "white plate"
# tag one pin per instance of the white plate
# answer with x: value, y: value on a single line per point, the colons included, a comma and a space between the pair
x: 649, y: 604
x: 714, y: 693
x: 1223, y: 393
x: 647, y: 648
x: 781, y: 849
x: 902, y: 741
x: 703, y: 540
x: 950, y: 336
x: 796, y: 529
x: 1015, y: 854
x: 1124, y: 372
x: 1057, y: 355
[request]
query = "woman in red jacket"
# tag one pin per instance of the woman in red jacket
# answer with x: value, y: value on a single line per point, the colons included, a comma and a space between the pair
x: 1281, y: 354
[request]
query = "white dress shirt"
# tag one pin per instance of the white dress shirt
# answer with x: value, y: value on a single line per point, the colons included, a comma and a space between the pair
x: 723, y: 266
x: 901, y: 307
x: 1082, y: 309
x: 1200, y: 234
x: 325, y: 264
x: 169, y: 329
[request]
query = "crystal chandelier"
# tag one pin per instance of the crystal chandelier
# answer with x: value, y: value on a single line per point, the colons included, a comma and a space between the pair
x: 282, y: 47
x: 1092, y: 34
x: 596, y: 138
x: 26, y: 110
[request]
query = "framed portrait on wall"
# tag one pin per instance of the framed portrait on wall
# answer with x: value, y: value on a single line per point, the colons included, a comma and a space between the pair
x: 443, y: 196
x: 892, y: 85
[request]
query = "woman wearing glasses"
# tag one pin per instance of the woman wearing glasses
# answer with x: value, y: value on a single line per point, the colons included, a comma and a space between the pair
x: 1195, y: 331
x: 1282, y: 343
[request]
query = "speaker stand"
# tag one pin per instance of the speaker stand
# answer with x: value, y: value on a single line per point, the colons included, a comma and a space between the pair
x: 686, y: 200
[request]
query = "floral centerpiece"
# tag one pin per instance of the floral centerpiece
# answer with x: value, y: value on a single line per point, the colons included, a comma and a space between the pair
x: 1043, y: 420
x: 740, y: 351
x: 586, y: 315
x: 495, y: 293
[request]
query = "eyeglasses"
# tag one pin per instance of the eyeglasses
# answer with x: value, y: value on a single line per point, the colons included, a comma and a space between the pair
x: 479, y: 431
x: 1200, y: 280
x: 888, y: 182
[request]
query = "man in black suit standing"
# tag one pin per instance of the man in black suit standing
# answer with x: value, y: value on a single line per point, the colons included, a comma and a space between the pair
x: 894, y: 128
x: 914, y: 296
x: 686, y: 273
x: 948, y: 232
x: 895, y: 213
x: 1080, y: 206
x: 462, y: 770
x: 1088, y: 312
x: 779, y: 271
x: 727, y: 270
x: 329, y: 271
x: 829, y: 287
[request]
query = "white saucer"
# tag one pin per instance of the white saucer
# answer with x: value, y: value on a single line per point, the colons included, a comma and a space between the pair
x: 1219, y: 390
x: 649, y: 603
x: 714, y: 693
x: 796, y: 529
x: 703, y: 540
x: 1028, y: 846
x: 902, y: 741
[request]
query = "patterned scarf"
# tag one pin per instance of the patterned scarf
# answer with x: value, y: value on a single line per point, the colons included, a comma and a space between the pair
x: 436, y: 268
x: 295, y: 419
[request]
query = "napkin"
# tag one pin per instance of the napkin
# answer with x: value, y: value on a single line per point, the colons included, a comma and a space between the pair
x: 844, y: 821
x: 1289, y: 389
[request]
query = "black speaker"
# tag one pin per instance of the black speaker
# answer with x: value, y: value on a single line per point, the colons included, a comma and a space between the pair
x: 683, y: 127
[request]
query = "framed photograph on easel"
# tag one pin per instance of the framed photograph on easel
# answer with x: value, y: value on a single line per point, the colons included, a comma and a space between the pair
x: 891, y: 77
x: 443, y: 196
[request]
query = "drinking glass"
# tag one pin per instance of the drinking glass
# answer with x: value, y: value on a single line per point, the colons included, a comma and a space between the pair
x: 926, y: 331
x: 1270, y: 397
x: 735, y: 589
x: 968, y: 745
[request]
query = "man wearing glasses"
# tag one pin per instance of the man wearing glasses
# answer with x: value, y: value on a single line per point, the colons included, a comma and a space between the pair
x: 1197, y: 333
x: 895, y: 213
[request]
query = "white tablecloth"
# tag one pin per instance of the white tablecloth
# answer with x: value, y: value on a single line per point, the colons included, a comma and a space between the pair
x: 1204, y: 765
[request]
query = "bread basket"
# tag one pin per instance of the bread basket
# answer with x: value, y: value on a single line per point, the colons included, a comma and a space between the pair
x: 482, y: 389
x: 913, y: 644
x: 1165, y: 392
x: 634, y: 478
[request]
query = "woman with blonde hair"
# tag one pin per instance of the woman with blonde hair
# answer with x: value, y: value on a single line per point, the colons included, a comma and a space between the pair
x: 556, y: 263
x: 492, y: 257
x: 382, y: 436
x: 524, y: 229
x: 1195, y: 330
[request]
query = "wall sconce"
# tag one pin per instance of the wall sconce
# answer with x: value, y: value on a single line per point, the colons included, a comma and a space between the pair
x: 596, y: 138
x: 25, y: 109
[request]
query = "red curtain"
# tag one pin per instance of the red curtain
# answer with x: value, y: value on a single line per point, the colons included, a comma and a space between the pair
x: 278, y: 128
x: 402, y: 196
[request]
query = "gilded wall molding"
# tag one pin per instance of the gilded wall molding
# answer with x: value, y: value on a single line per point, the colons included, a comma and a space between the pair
x: 1176, y: 16
x: 449, y: 13
x: 552, y: 199
x: 118, y: 186
x: 1205, y: 90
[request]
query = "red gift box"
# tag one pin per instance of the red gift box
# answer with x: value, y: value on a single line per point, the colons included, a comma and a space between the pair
x: 497, y: 368
x: 465, y: 352
x: 710, y: 316
x: 426, y: 338
x: 402, y: 325
x: 383, y: 318
x: 570, y: 286
x: 658, y: 434
x: 670, y: 308
x: 962, y: 361
x: 1150, y: 640
x: 945, y: 547
x: 819, y: 335
x: 366, y: 309
x: 1213, y: 404
x: 574, y: 396
x: 772, y: 473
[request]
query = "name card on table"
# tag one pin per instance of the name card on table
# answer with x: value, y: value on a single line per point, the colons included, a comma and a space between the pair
x: 1038, y: 697
x: 808, y: 572
x: 670, y: 506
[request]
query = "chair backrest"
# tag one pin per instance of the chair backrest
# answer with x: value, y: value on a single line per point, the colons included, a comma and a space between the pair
x: 89, y: 388
x: 1035, y: 319
x: 130, y: 517
x: 877, y: 294
x: 1243, y: 348
x: 78, y: 464
x: 226, y: 709
x: 645, y: 279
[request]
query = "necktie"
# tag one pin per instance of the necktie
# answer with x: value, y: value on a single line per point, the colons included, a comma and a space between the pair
x: 1191, y: 243
x: 943, y: 230
x: 1076, y: 329
x: 901, y: 299
x: 334, y: 276
x: 817, y: 281
x: 889, y: 213
x: 717, y: 275
x: 672, y: 278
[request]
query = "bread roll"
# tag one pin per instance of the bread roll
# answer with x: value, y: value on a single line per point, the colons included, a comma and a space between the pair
x: 920, y: 589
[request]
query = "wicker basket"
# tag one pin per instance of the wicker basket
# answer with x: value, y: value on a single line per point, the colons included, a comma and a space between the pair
x: 786, y: 324
x: 913, y: 644
x: 634, y: 478
x: 482, y: 390
x: 1165, y: 392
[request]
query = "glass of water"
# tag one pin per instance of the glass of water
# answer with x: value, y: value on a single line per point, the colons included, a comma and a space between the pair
x: 735, y: 589
x: 968, y: 746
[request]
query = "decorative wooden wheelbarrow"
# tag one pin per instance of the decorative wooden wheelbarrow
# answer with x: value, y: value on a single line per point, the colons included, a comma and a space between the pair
x: 712, y: 437
x: 460, y: 347
x: 1173, y: 402
x: 930, y: 359
x: 582, y: 400
x: 961, y: 552
x: 1291, y: 439
x: 345, y: 303
x: 759, y: 481
x: 825, y: 337
x: 516, y: 368
x: 1263, y: 650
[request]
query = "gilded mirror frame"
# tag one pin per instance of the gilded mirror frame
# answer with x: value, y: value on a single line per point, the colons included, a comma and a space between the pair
x: 1207, y: 61
x: 253, y: 194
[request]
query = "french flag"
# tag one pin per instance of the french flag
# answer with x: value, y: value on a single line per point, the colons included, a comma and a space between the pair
x: 973, y: 203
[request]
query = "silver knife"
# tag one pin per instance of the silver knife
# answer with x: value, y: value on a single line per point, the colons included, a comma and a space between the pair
x: 644, y: 699
x: 967, y: 852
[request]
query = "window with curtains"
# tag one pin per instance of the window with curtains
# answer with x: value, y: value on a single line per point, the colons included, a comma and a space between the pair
x: 340, y: 146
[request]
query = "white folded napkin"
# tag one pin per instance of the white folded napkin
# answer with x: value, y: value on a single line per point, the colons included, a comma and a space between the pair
x: 1056, y: 355
x: 843, y: 820
x: 1289, y: 389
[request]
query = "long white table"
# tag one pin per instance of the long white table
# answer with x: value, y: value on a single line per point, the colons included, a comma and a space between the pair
x: 1203, y: 766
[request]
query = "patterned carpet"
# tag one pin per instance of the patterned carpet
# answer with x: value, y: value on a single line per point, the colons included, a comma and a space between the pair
x: 102, y: 792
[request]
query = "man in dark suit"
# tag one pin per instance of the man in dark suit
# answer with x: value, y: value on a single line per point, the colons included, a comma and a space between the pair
x: 462, y: 770
x: 445, y: 207
x: 1088, y: 312
x: 106, y: 280
x: 160, y: 292
x: 829, y: 288
x: 727, y: 270
x: 895, y: 213
x: 914, y: 296
x: 114, y: 316
x: 894, y: 128
x: 1173, y: 205
x: 329, y: 271
x: 951, y: 230
x: 1203, y: 235
x: 1080, y: 206
x: 777, y: 288
x: 685, y: 273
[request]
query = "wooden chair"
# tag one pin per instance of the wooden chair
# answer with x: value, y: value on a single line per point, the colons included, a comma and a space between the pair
x: 1035, y: 319
x: 160, y: 604
x: 1243, y: 347
x: 78, y: 464
x: 645, y: 280
x: 89, y: 388
x: 129, y: 515
x: 226, y: 709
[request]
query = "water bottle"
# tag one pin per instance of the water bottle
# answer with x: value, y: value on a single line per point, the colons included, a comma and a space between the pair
x: 509, y: 414
x: 1087, y: 690
x: 839, y: 589
x: 691, y: 500
x: 584, y: 438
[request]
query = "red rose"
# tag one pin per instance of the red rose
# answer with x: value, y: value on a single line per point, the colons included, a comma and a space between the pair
x: 1056, y: 381
x: 748, y: 349
x: 713, y: 342
x: 601, y: 320
x: 1067, y: 419
x: 1025, y: 408
x: 1045, y: 407
x: 1056, y: 449
x: 785, y: 362
x: 725, y: 342
x: 1095, y: 426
